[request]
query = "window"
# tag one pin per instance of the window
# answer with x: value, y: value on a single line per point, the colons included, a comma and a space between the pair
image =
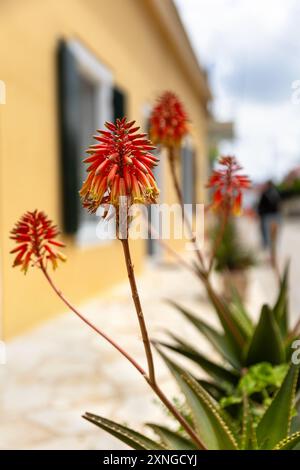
x: 95, y: 107
x: 87, y: 98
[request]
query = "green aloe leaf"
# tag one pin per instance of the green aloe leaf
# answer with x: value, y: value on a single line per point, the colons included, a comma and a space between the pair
x: 232, y: 329
x: 212, y: 388
x: 266, y: 344
x: 133, y: 439
x: 172, y: 440
x: 295, y: 424
x: 289, y: 443
x: 209, y: 423
x: 275, y: 424
x: 246, y: 425
x: 281, y: 306
x: 225, y: 378
x: 217, y: 340
x: 248, y: 437
x: 240, y: 313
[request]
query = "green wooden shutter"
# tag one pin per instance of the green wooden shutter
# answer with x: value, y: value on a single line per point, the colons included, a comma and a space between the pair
x: 119, y: 103
x: 68, y: 113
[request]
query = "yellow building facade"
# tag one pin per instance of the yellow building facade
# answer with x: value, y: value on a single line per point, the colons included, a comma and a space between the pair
x: 136, y: 46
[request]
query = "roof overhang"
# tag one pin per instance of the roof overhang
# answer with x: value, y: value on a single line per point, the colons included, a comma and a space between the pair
x: 169, y: 21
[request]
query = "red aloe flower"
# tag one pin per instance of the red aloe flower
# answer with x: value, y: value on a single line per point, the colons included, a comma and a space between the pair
x: 228, y: 185
x: 119, y: 165
x: 168, y: 120
x: 35, y: 236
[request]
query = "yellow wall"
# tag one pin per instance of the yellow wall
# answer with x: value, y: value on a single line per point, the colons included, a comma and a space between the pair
x: 123, y: 34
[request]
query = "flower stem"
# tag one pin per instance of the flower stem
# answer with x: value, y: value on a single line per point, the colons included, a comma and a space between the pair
x: 171, y: 158
x: 176, y: 184
x: 91, y: 325
x: 173, y: 410
x: 138, y: 308
x: 218, y: 240
x: 147, y: 346
x: 150, y: 382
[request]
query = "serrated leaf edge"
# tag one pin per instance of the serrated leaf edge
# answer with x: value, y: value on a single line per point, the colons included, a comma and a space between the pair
x: 209, y: 402
x: 287, y: 440
x: 114, y: 427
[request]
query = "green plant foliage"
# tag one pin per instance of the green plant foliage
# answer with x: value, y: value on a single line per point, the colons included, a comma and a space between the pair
x: 219, y: 341
x: 289, y: 443
x: 234, y: 335
x: 215, y: 429
x: 240, y: 313
x: 281, y: 307
x: 248, y: 401
x: 206, y: 413
x: 231, y: 255
x: 224, y: 377
x: 133, y: 439
x: 172, y: 439
x: 255, y: 364
x: 288, y: 190
x: 275, y: 424
x: 266, y: 343
x: 261, y: 378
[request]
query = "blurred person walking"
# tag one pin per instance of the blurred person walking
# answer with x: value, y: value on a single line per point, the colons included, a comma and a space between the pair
x: 269, y: 212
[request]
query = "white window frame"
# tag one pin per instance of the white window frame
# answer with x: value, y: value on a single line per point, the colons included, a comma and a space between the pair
x: 100, y: 75
x: 158, y: 254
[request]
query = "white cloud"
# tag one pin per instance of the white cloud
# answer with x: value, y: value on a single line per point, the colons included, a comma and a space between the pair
x: 251, y: 49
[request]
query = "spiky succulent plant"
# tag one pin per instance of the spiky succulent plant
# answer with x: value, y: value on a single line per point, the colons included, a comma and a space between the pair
x: 252, y: 356
x: 255, y: 375
x: 274, y: 429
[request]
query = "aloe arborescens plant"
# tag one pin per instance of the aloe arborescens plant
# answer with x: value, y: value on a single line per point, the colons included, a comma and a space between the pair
x: 240, y: 343
x: 120, y: 174
x: 215, y: 428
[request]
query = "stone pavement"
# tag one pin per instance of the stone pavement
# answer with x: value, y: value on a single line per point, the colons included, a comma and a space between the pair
x: 61, y: 369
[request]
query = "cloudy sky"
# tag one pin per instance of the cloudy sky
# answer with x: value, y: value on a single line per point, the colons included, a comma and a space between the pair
x: 251, y: 50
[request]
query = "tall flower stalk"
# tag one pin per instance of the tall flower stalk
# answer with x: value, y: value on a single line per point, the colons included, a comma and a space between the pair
x: 139, y: 310
x: 120, y: 173
x: 168, y: 127
x: 227, y: 184
x: 35, y: 235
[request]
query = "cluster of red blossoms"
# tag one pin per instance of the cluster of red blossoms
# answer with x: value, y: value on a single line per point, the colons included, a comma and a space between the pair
x: 228, y: 185
x: 120, y: 164
x: 35, y: 236
x: 168, y: 121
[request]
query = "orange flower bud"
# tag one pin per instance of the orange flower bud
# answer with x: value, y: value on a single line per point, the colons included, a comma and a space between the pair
x: 168, y: 121
x: 35, y: 233
x: 228, y: 185
x: 115, y: 166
